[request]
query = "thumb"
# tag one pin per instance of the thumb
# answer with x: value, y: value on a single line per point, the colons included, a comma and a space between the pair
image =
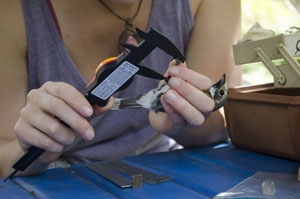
x: 102, y: 109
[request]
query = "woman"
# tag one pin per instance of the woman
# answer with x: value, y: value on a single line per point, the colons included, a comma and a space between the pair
x: 49, y: 51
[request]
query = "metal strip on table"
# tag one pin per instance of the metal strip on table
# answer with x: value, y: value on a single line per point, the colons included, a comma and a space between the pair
x: 114, y: 177
x: 130, y: 170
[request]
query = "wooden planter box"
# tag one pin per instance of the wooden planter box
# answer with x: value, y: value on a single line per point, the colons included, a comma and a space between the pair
x: 265, y: 119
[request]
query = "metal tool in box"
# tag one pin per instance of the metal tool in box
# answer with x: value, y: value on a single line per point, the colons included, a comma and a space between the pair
x: 282, y: 46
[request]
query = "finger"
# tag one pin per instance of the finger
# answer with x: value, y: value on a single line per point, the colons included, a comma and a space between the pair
x: 196, y: 97
x: 176, y: 119
x: 171, y: 64
x: 64, y: 112
x: 70, y: 95
x: 184, y: 108
x: 29, y: 136
x: 200, y: 81
x: 48, y: 125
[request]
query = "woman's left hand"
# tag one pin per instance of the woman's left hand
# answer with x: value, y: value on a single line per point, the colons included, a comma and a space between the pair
x: 186, y: 103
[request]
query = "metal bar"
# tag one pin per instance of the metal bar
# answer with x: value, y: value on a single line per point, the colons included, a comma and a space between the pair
x: 112, y: 176
x: 269, y: 64
x: 130, y: 170
x: 289, y: 59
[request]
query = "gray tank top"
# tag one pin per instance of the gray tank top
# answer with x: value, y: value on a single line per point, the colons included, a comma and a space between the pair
x: 118, y: 133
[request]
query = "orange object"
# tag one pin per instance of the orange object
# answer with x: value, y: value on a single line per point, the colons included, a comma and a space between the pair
x: 105, y: 62
x: 108, y: 60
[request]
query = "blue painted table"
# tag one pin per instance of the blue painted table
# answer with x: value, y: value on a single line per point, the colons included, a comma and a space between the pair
x: 196, y: 173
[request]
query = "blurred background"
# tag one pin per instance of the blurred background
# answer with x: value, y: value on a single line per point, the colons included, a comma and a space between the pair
x: 277, y: 15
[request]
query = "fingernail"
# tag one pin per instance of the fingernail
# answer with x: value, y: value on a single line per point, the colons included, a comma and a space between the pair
x: 87, y: 111
x: 174, y: 82
x: 89, y: 134
x: 173, y: 71
x: 171, y: 96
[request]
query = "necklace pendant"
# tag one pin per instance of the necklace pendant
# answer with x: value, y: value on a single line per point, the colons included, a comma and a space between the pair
x: 126, y: 34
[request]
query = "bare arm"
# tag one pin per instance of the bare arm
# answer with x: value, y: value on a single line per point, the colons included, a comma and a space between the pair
x: 209, y: 55
x: 217, y: 28
x: 13, y: 77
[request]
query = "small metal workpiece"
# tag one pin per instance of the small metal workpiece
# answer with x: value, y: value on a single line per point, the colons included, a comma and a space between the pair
x: 137, y: 181
x: 112, y: 176
x: 268, y: 187
x: 130, y: 170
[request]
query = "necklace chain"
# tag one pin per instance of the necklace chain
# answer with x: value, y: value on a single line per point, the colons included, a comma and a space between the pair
x: 127, y: 20
x: 129, y: 30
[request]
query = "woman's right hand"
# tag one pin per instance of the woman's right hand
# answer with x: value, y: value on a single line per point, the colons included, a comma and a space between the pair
x: 38, y: 124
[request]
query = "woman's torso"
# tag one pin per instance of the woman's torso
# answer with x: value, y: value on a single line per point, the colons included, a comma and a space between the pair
x: 118, y: 133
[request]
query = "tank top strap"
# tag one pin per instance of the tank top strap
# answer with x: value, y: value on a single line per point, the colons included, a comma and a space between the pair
x: 48, y: 59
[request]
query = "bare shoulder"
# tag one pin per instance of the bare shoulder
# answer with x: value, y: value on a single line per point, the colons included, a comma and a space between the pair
x: 217, y: 28
x: 195, y: 4
x: 13, y: 71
